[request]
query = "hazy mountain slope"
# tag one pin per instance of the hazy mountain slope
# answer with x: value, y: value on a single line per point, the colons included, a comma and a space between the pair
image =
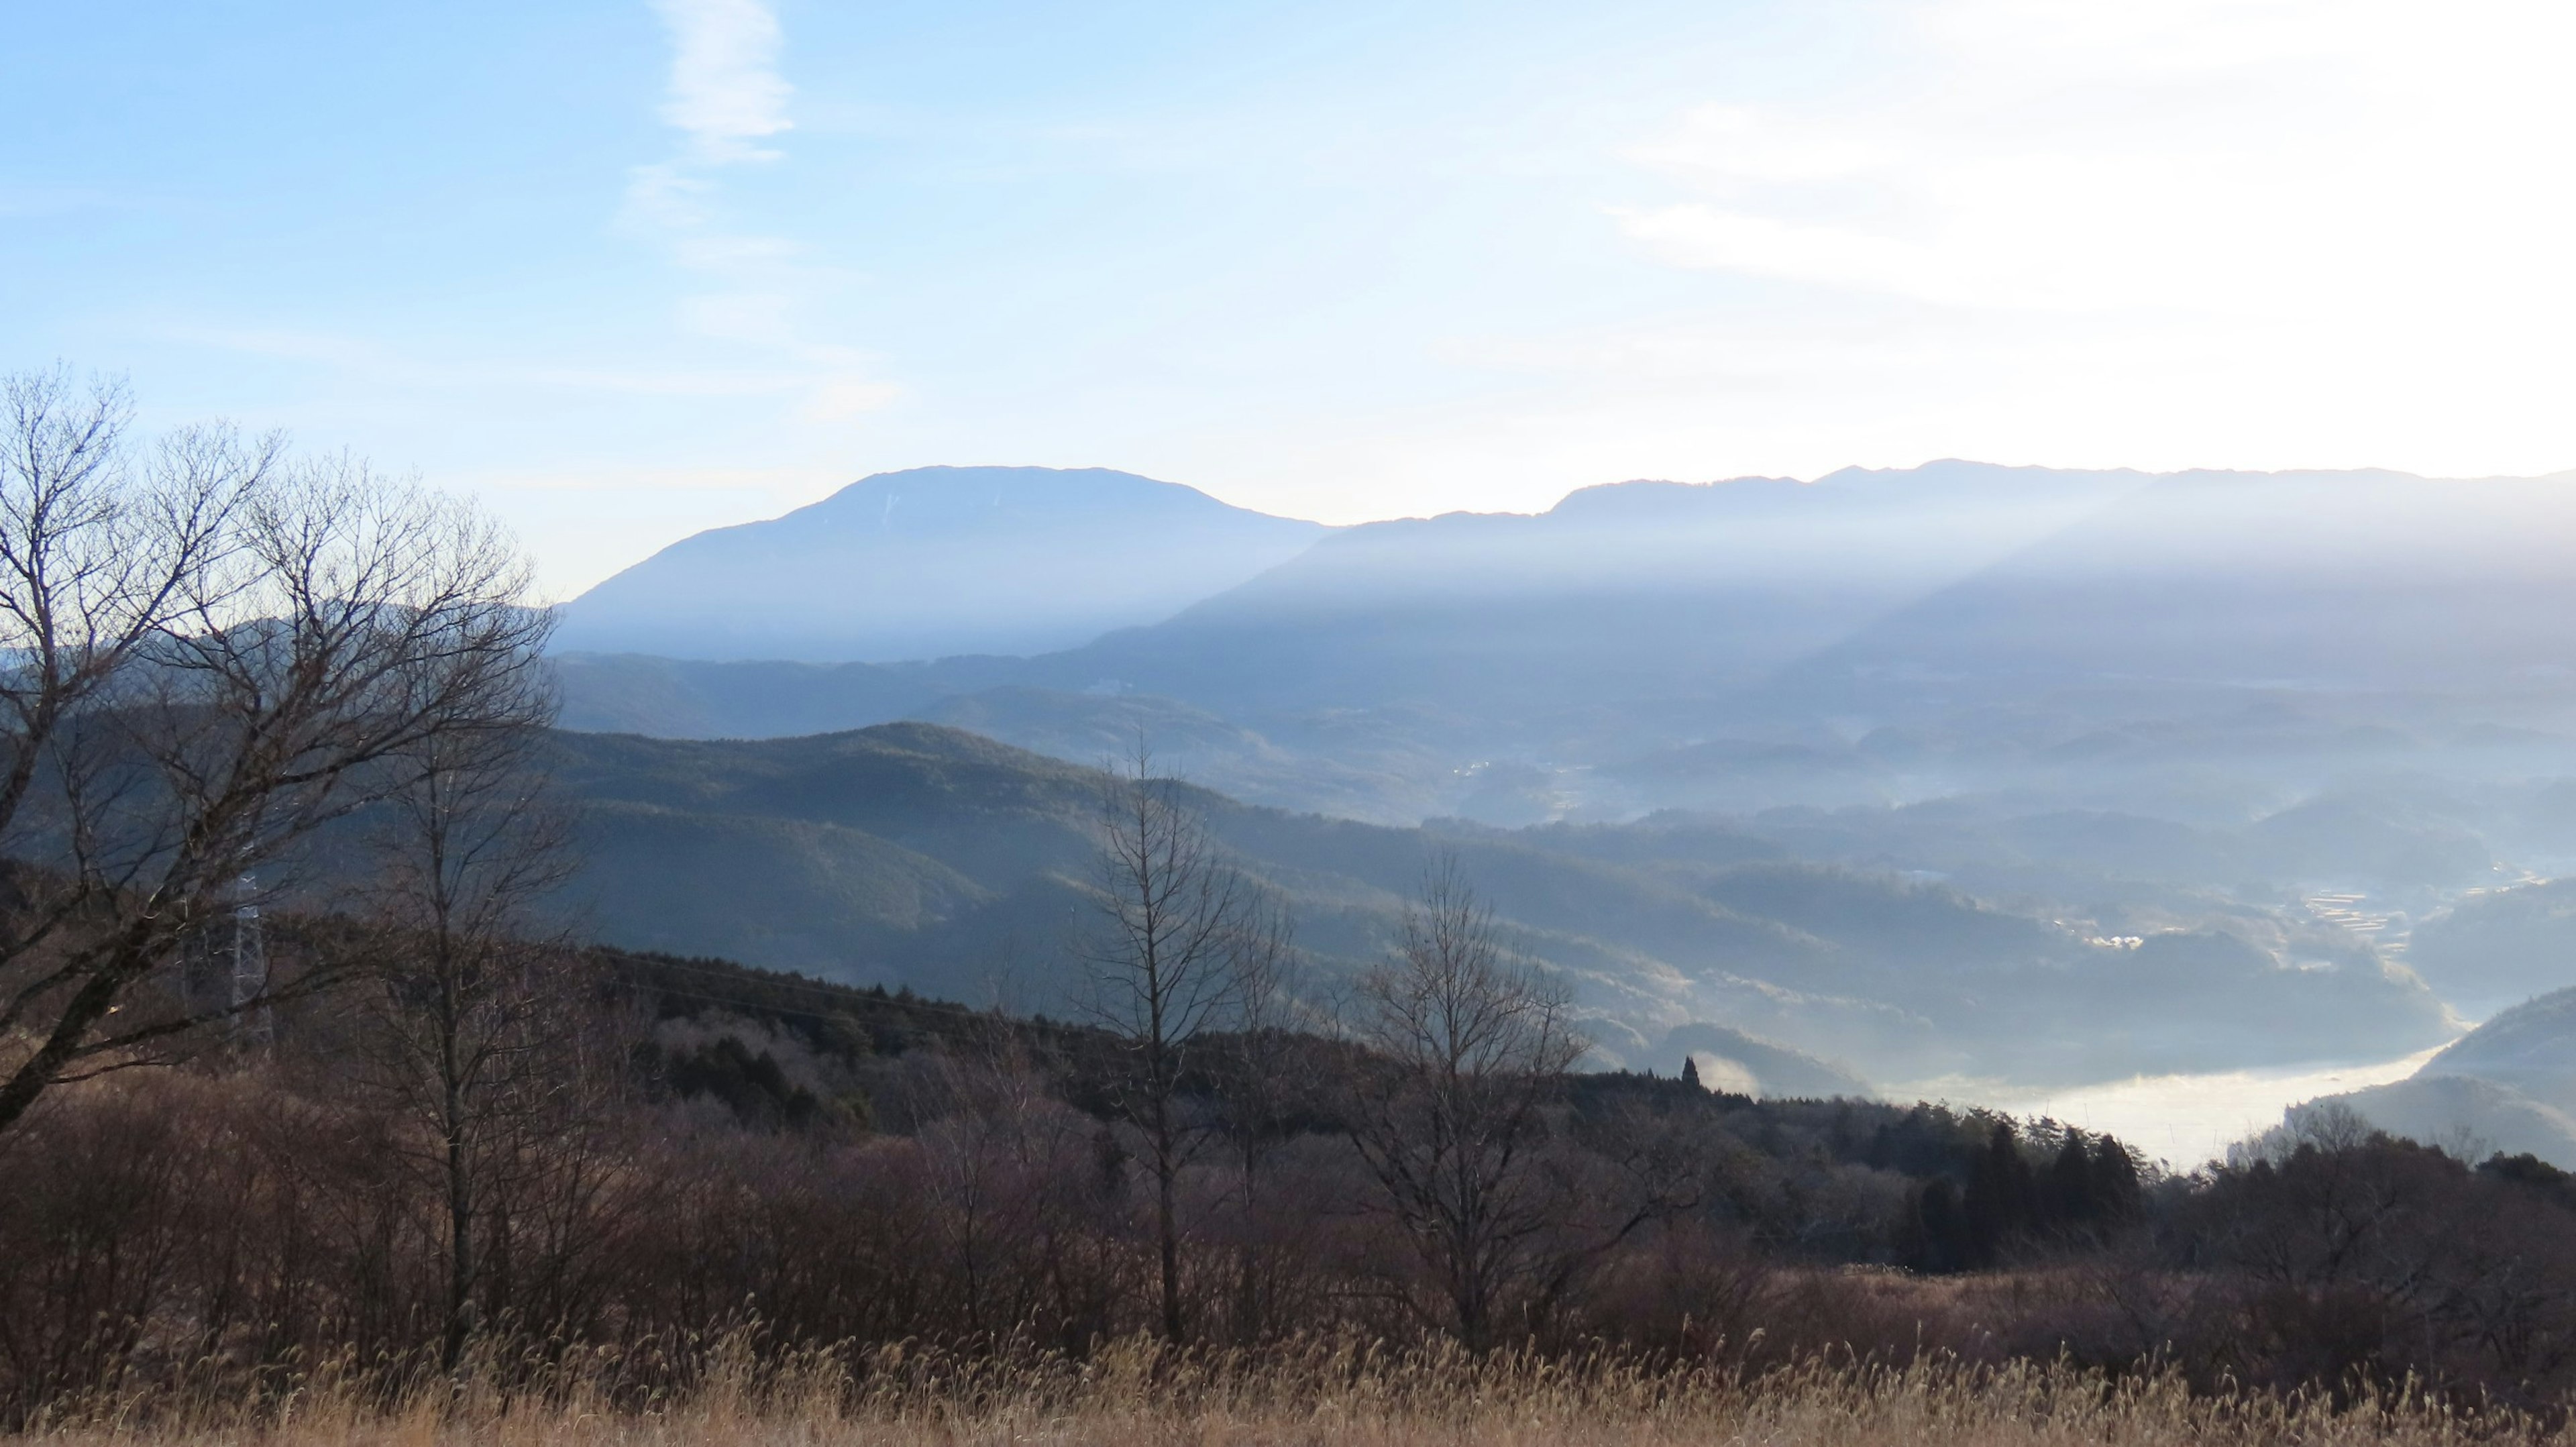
x: 933, y: 562
x: 2464, y: 1114
x: 1653, y: 586
x: 1631, y: 590
x: 920, y: 855
x: 1378, y: 768
x: 1388, y: 663
x: 2497, y: 948
x: 991, y: 812
x: 2368, y: 579
x: 684, y: 698
x: 1677, y: 630
x: 1381, y: 786
x: 2130, y: 643
x: 2509, y: 1085
x: 2531, y: 1047
x: 792, y: 893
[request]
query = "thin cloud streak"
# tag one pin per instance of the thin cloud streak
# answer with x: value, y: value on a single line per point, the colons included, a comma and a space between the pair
x: 726, y: 93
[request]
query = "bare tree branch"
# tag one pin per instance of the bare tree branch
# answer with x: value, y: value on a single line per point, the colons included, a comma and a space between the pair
x: 1464, y: 1048
x: 207, y: 654
x: 1161, y: 970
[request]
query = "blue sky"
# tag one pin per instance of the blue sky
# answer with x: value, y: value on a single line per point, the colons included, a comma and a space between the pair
x: 627, y: 269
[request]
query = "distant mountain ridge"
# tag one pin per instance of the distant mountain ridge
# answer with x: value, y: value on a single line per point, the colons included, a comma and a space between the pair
x: 1622, y: 582
x: 1869, y: 637
x: 2365, y: 579
x: 934, y: 562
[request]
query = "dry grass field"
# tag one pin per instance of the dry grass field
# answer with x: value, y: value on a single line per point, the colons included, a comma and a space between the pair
x: 1134, y: 1395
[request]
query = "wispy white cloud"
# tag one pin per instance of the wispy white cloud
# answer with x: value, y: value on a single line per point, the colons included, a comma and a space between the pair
x: 725, y: 93
x: 2245, y: 159
x: 2242, y: 232
x: 1719, y: 238
x: 726, y: 96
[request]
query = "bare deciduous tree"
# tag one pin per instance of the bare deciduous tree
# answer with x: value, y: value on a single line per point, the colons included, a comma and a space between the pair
x: 1259, y: 1096
x: 1265, y: 1015
x: 1174, y: 917
x: 1449, y: 1113
x: 206, y: 654
x: 469, y: 1017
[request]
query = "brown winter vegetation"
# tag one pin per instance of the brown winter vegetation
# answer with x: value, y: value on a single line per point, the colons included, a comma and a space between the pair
x: 260, y: 1234
x: 1319, y: 1393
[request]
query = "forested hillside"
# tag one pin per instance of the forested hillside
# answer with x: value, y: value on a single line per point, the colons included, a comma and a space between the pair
x: 915, y: 856
x: 839, y: 1170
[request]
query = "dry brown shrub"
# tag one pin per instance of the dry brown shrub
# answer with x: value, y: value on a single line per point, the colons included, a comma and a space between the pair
x: 1327, y: 1394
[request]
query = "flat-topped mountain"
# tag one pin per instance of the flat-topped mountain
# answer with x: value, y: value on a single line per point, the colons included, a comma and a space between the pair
x: 934, y: 562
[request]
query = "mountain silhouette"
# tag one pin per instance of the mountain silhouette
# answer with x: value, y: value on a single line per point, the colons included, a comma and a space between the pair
x: 934, y: 562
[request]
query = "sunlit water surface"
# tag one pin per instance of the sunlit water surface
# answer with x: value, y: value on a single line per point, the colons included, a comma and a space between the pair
x: 2184, y: 1120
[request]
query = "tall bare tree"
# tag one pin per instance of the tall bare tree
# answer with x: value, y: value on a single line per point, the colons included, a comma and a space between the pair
x: 206, y: 654
x: 1266, y: 1011
x: 1174, y: 917
x: 1465, y: 1048
x: 1259, y: 1093
x: 468, y: 1012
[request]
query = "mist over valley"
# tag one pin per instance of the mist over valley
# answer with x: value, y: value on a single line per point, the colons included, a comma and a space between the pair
x: 1961, y: 780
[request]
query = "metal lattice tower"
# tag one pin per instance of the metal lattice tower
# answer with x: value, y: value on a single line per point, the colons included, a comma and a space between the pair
x: 247, y: 955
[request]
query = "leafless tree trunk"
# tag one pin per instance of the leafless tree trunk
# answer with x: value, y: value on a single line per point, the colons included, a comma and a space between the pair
x: 469, y: 1018
x: 1448, y: 1114
x: 1173, y: 917
x: 1257, y: 1093
x: 207, y: 654
x: 1265, y: 1017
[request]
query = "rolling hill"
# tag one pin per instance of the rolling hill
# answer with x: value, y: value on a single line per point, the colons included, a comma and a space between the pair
x: 916, y: 855
x: 2509, y: 1086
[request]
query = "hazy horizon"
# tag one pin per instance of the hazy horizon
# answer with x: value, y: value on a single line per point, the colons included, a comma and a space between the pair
x: 628, y: 270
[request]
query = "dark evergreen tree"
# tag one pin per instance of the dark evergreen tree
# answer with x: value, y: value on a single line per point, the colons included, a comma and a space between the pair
x: 1998, y: 1205
x: 2116, y: 1193
x: 2068, y: 1199
x: 1933, y: 1235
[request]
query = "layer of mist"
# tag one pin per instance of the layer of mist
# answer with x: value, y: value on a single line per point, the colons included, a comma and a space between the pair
x: 2114, y: 773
